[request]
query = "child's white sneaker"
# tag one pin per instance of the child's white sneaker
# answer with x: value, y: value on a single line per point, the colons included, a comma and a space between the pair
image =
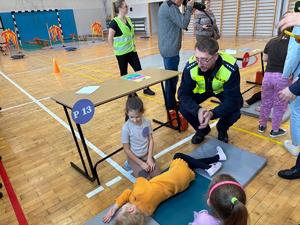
x: 215, y: 167
x: 293, y: 149
x: 221, y: 154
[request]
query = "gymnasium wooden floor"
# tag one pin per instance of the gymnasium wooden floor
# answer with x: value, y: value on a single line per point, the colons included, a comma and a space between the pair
x: 36, y: 148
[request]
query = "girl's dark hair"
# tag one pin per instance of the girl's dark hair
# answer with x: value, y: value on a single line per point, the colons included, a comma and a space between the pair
x: 230, y: 213
x: 134, y: 103
x: 118, y: 4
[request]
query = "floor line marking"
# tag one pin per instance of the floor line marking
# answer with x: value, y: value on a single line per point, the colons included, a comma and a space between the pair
x: 94, y: 192
x: 58, y: 119
x: 74, y: 63
x: 81, y: 75
x: 27, y: 103
x: 12, y: 196
x: 181, y: 142
x: 257, y: 135
x: 113, y: 181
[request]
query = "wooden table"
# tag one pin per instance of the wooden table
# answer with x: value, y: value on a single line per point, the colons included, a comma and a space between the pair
x: 107, y: 92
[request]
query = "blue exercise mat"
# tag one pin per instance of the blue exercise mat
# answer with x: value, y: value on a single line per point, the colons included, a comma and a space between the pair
x: 250, y: 111
x: 179, y: 209
x: 240, y: 164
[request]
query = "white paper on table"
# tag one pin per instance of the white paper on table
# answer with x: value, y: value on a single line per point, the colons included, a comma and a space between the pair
x: 87, y: 90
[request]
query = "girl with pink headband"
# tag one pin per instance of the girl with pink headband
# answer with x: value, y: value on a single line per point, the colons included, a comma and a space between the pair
x: 227, y: 200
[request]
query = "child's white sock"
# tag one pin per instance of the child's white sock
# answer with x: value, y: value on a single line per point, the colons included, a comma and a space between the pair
x: 222, y: 156
x: 214, y: 168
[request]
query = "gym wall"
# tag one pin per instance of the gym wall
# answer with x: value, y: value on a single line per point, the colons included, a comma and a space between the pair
x: 84, y: 12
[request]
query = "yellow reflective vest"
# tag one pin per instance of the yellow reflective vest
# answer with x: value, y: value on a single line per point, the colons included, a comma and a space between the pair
x: 125, y: 43
x: 221, y: 77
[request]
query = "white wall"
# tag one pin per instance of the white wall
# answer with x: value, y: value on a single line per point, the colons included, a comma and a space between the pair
x: 85, y: 11
x: 139, y: 10
x: 154, y: 6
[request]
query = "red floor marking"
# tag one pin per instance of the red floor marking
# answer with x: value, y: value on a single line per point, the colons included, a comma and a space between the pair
x: 12, y: 196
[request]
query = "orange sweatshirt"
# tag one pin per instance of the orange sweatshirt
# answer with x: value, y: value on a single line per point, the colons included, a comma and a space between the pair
x: 148, y: 194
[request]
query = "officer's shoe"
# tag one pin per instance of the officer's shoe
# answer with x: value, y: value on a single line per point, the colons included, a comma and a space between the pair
x: 199, y: 135
x: 197, y: 138
x: 148, y: 91
x: 290, y: 174
x: 223, y: 136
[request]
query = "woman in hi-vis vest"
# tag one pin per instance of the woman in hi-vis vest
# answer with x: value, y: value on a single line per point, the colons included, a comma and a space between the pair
x: 121, y: 38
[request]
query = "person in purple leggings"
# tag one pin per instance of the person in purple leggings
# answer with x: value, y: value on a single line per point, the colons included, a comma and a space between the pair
x: 275, y: 54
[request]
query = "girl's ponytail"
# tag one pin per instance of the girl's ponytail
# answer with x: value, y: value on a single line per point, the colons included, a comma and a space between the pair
x: 239, y: 214
x: 134, y: 103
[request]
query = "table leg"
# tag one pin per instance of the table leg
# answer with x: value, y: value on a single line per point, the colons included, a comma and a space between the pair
x: 83, y: 172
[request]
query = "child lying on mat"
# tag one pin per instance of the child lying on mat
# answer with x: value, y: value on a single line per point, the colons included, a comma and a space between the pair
x: 227, y: 199
x: 148, y: 194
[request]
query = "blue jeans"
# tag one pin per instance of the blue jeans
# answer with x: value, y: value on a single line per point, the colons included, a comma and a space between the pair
x: 295, y: 121
x: 171, y: 63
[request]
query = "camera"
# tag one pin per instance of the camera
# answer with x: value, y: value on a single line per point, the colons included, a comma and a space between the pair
x: 197, y: 5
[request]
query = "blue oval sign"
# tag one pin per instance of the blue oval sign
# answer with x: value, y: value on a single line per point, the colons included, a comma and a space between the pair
x: 83, y: 111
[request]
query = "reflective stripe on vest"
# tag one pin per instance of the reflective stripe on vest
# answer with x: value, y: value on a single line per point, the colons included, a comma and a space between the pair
x: 222, y: 75
x: 125, y: 43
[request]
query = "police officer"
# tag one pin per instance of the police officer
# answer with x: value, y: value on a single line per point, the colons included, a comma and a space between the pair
x: 210, y: 74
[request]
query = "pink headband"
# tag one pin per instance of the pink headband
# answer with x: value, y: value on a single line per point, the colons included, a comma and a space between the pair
x: 215, y: 186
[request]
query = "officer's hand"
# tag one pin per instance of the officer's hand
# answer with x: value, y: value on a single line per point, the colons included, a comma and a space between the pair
x: 207, y: 116
x: 201, y: 117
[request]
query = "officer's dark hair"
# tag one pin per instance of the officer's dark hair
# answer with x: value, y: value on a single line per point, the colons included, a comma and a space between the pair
x: 207, y: 44
x: 118, y: 4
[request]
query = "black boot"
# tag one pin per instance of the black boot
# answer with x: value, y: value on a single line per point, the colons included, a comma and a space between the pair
x: 148, y: 91
x: 290, y: 174
x: 197, y: 138
x: 223, y: 136
x: 200, y: 134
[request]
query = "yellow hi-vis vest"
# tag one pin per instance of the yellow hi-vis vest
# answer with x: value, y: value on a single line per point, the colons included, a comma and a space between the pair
x: 125, y: 43
x: 222, y: 75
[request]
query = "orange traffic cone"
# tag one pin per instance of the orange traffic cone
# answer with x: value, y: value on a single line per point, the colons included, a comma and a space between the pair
x: 55, y: 67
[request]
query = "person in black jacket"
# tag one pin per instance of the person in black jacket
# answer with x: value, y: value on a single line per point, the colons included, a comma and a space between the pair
x: 210, y: 74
